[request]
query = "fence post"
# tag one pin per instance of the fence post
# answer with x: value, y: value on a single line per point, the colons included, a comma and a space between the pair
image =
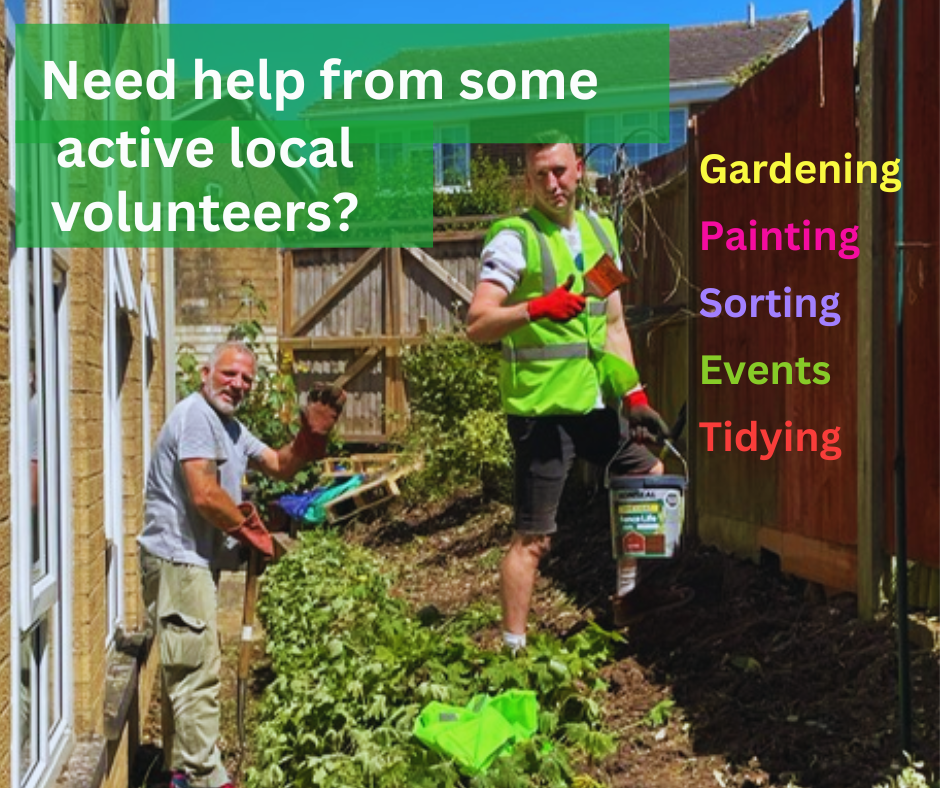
x: 870, y: 369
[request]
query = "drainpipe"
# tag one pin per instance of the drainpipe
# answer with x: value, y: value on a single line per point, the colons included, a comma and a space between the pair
x: 169, y: 283
x: 900, y: 493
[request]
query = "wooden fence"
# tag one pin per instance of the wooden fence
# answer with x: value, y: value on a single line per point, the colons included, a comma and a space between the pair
x: 349, y: 313
x: 921, y: 156
x: 795, y: 504
x: 657, y: 298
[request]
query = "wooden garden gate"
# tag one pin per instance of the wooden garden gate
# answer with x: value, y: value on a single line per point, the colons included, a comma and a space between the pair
x: 348, y: 314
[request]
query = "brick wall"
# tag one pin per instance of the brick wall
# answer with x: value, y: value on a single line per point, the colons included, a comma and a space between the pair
x: 88, y: 594
x: 89, y: 623
x: 210, y: 286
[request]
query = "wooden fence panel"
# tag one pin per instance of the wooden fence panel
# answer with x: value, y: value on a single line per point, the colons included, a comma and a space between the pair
x: 802, y: 104
x: 656, y: 300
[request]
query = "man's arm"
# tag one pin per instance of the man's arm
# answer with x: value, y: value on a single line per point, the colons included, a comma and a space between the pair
x: 489, y: 319
x: 284, y: 463
x: 618, y: 338
x: 211, y: 501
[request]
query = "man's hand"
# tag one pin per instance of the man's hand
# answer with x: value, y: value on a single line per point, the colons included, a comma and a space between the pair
x: 560, y: 305
x: 325, y: 404
x: 252, y: 532
x: 646, y: 425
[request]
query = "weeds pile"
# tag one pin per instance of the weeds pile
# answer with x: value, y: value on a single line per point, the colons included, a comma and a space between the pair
x: 354, y: 667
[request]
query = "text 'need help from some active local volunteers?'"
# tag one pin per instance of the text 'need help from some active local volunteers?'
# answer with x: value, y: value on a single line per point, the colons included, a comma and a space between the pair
x: 301, y: 136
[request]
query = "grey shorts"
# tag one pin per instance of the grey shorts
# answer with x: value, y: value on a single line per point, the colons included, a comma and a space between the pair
x: 546, y: 447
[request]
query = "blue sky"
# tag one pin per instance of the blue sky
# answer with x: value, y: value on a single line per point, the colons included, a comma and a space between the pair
x: 672, y: 12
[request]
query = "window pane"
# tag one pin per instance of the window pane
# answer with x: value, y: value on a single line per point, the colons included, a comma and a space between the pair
x: 17, y: 9
x: 454, y: 165
x: 54, y: 661
x: 36, y: 431
x: 637, y: 154
x: 454, y: 135
x: 27, y: 716
x: 636, y: 127
x: 677, y: 127
x: 600, y: 153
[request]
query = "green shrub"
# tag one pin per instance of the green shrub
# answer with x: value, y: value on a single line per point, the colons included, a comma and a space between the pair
x: 492, y: 191
x: 456, y: 421
x: 448, y: 376
x: 911, y: 776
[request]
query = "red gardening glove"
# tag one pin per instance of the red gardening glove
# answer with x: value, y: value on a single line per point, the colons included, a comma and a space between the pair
x: 646, y: 425
x: 252, y: 532
x: 331, y: 400
x: 560, y: 305
x: 324, y: 406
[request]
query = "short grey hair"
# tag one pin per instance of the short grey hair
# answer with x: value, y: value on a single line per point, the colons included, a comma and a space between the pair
x: 230, y: 344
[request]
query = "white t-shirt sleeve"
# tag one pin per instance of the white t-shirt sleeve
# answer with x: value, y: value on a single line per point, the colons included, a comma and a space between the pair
x: 199, y: 438
x: 503, y: 260
x: 254, y: 447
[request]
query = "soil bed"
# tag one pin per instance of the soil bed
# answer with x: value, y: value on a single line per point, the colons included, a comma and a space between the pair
x: 771, y: 684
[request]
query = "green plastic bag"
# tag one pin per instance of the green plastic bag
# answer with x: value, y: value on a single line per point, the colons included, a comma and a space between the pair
x: 475, y: 734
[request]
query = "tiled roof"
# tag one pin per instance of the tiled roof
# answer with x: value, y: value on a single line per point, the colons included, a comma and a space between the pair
x: 696, y: 53
x: 716, y: 51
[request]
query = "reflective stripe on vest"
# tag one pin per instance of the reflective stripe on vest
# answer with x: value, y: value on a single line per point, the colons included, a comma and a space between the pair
x: 546, y: 352
x: 602, y: 236
x: 549, y: 275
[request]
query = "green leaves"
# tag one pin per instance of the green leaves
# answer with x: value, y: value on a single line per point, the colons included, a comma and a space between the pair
x: 492, y: 191
x: 456, y: 421
x: 354, y: 668
x: 659, y: 715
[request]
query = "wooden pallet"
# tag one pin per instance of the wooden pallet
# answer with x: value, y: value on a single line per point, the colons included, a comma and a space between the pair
x: 346, y: 467
x: 368, y: 496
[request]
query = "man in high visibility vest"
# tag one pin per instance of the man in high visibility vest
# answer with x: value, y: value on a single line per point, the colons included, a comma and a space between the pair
x: 557, y: 377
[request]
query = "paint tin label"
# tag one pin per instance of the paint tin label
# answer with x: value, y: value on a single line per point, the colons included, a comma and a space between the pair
x: 646, y: 522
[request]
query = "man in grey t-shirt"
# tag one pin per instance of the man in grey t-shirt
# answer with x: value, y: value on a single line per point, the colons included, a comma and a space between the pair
x: 192, y: 523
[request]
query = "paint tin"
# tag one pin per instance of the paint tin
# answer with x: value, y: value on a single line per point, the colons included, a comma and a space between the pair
x: 646, y: 515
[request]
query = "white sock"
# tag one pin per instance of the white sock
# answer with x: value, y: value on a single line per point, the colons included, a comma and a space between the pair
x: 626, y: 575
x: 513, y: 641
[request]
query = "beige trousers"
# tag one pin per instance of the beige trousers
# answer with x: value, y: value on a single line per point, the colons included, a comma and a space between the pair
x: 182, y: 602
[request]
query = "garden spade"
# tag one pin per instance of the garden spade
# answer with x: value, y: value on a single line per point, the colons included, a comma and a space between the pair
x: 255, y: 564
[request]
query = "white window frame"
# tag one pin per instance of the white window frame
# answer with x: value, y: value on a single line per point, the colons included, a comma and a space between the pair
x: 119, y: 298
x: 150, y: 333
x: 39, y: 603
x: 40, y: 600
x: 620, y: 133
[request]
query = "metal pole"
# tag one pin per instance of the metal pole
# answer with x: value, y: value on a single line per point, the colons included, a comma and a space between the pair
x: 900, y: 499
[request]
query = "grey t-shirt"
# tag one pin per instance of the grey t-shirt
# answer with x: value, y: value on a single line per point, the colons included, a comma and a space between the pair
x: 173, y: 528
